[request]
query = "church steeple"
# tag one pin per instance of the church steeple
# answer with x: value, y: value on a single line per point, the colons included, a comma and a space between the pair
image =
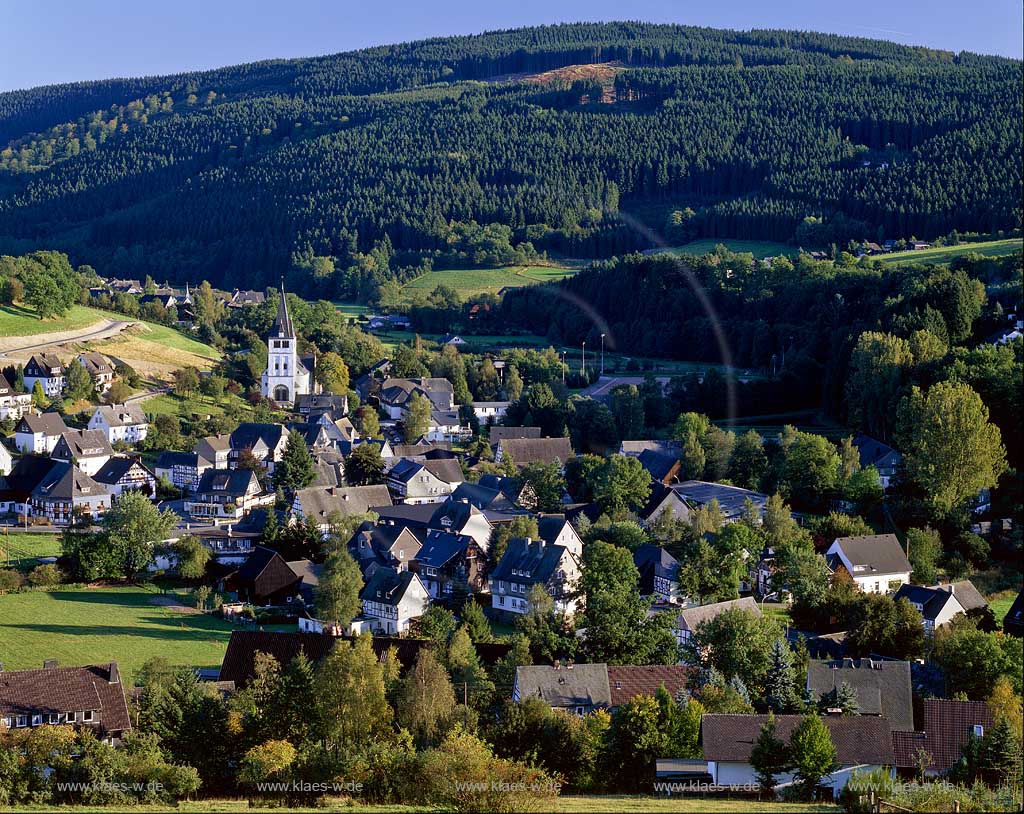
x: 284, y: 321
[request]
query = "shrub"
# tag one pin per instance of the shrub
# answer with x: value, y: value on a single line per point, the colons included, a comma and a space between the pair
x: 45, y: 575
x: 10, y: 580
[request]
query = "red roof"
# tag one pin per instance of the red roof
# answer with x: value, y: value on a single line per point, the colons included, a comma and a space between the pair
x: 627, y: 682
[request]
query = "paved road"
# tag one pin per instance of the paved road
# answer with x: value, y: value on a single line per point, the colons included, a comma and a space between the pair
x: 112, y: 328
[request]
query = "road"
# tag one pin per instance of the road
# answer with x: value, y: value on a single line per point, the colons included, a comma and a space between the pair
x: 111, y: 327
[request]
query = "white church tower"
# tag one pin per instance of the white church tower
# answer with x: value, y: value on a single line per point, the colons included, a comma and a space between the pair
x: 286, y: 377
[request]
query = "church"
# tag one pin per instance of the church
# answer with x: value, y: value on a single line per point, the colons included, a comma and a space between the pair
x: 286, y: 377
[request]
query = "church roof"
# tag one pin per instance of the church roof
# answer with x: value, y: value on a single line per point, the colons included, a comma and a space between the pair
x: 284, y: 320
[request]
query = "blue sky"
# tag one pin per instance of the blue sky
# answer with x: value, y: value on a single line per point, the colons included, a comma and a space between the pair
x: 46, y: 43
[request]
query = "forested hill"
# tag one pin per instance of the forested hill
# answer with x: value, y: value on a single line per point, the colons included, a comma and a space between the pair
x: 346, y: 170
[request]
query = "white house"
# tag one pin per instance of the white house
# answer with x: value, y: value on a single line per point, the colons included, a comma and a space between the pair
x: 13, y: 405
x: 6, y: 460
x: 120, y: 475
x: 876, y: 562
x: 391, y: 600
x: 87, y: 449
x: 39, y: 434
x: 863, y: 743
x: 48, y: 370
x: 120, y: 422
x: 429, y: 481
x: 938, y: 605
x: 527, y: 563
x: 490, y: 410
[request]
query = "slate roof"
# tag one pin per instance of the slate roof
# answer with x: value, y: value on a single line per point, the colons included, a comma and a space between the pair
x: 634, y: 448
x: 441, y: 547
x: 407, y: 514
x: 703, y: 613
x: 50, y: 424
x: 661, y: 494
x: 74, y: 445
x: 319, y: 502
x: 46, y: 362
x: 116, y: 468
x: 67, y: 689
x: 500, y: 433
x: 28, y: 471
x: 654, y: 561
x: 527, y: 450
x: 249, y: 433
x: 234, y: 482
x: 933, y: 600
x: 422, y: 450
x: 883, y: 687
x: 659, y: 465
x: 446, y: 470
x: 387, y: 586
x: 65, y: 481
x: 628, y: 681
x: 170, y: 458
x: 565, y: 687
x: 452, y: 514
x: 875, y: 453
x: 858, y: 739
x: 549, y: 526
x: 731, y: 499
x: 528, y: 562
x: 879, y: 554
x: 481, y: 497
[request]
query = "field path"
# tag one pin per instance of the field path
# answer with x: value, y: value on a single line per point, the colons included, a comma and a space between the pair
x: 173, y: 603
x: 102, y: 329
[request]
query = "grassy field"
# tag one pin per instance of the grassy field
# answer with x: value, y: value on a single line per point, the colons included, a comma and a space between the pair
x: 171, y: 404
x: 944, y: 254
x: 568, y: 804
x: 21, y: 549
x: 155, y: 351
x: 105, y: 624
x: 470, y: 282
x: 16, y: 320
x: 1000, y: 604
x: 759, y: 248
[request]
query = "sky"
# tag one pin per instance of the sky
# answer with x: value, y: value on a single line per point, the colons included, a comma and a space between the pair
x: 66, y: 41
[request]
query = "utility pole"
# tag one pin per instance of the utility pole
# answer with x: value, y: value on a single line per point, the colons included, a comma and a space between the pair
x: 563, y: 367
x: 583, y: 366
x: 602, y: 354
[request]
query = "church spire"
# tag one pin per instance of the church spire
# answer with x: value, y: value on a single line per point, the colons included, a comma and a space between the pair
x: 284, y: 322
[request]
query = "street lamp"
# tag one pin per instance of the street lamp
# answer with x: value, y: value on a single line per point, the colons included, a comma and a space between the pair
x: 583, y: 364
x: 563, y: 367
x: 602, y: 354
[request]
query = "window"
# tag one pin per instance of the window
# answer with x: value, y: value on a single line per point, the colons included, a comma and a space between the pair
x: 21, y: 720
x: 37, y: 720
x: 87, y: 715
x: 54, y: 718
x: 72, y: 717
x: 979, y: 730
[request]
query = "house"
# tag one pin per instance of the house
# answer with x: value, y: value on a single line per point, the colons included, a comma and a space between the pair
x: 38, y: 434
x: 86, y: 449
x: 395, y: 394
x: 492, y: 502
x: 663, y: 499
x: 526, y: 563
x: 555, y: 529
x: 381, y: 545
x: 319, y: 503
x: 182, y: 469
x: 862, y: 744
x: 881, y: 456
x: 490, y: 410
x: 1013, y: 622
x: 13, y: 405
x: 240, y: 299
x: 689, y: 619
x: 213, y: 451
x: 265, y: 578
x: 663, y: 467
x: 453, y: 339
x: 120, y: 422
x: 948, y: 727
x: 449, y: 563
x: 99, y: 368
x: 48, y: 371
x: 424, y: 481
x: 226, y: 493
x: 659, y: 573
x: 89, y: 697
x: 876, y: 562
x: 315, y: 403
x: 633, y: 449
x: 627, y: 681
x: 525, y: 451
x: 732, y: 500
x: 462, y: 518
x: 391, y: 600
x: 883, y: 687
x: 918, y: 245
x: 497, y: 433
x: 938, y: 605
x: 120, y: 475
x: 330, y: 469
x: 65, y: 491
x: 445, y: 425
x: 17, y: 485
x: 265, y: 442
x: 309, y: 576
x: 6, y: 460
x: 576, y: 688
x: 428, y: 450
x: 164, y: 299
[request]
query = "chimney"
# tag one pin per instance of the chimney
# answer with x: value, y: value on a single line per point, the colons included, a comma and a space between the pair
x: 50, y: 664
x: 334, y: 491
x: 115, y: 675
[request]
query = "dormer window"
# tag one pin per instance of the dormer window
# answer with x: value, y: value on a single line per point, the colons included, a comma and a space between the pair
x: 53, y: 718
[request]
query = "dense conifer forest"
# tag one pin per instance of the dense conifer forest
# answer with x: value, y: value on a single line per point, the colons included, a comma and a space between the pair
x: 347, y: 170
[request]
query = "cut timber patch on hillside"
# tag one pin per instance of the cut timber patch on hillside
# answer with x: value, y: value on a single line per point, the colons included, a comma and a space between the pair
x: 603, y: 72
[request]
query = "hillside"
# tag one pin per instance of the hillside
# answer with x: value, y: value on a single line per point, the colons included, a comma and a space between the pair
x: 343, y: 171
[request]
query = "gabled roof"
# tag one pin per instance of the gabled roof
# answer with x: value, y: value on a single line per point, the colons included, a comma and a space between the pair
x: 407, y: 514
x: 452, y: 515
x: 629, y: 681
x: 26, y: 474
x: 170, y: 458
x: 875, y: 554
x: 565, y: 687
x: 948, y: 726
x: 319, y: 502
x: 704, y: 613
x: 67, y: 482
x: 663, y: 498
x: 481, y: 497
x: 527, y: 450
x: 50, y: 424
x: 74, y: 445
x: 500, y: 433
x: 231, y: 482
x: 1013, y: 622
x: 883, y: 687
x: 116, y: 468
x: 249, y: 433
x: 875, y: 453
x: 549, y: 526
x: 653, y: 561
x: 529, y: 562
x: 661, y: 466
x: 96, y: 363
x: 932, y: 600
x: 635, y: 448
x: 122, y: 415
x: 731, y: 499
x: 859, y: 740
x: 67, y: 689
x: 441, y: 547
x: 388, y: 586
x: 46, y: 362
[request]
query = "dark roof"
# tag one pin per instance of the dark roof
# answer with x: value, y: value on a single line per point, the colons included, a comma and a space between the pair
x: 731, y: 499
x: 499, y: 433
x: 948, y: 725
x: 170, y: 458
x: 481, y: 497
x: 653, y: 561
x: 661, y: 494
x: 626, y: 682
x: 528, y: 562
x: 933, y: 600
x: 549, y: 526
x: 283, y: 323
x: 67, y: 689
x: 452, y: 514
x: 46, y: 362
x: 248, y: 433
x: 232, y: 482
x: 319, y: 502
x: 387, y: 586
x: 565, y: 687
x: 407, y: 514
x: 441, y: 547
x: 858, y: 739
x: 875, y: 453
x: 445, y: 469
x: 116, y: 468
x: 74, y: 445
x: 43, y: 424
x: 65, y: 481
x: 26, y: 474
x: 659, y: 465
x: 877, y: 553
x: 425, y: 451
x: 883, y: 687
x: 528, y: 450
x: 1013, y: 622
x: 265, y: 575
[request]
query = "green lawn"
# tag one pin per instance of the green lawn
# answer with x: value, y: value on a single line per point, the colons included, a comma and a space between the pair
x: 20, y: 549
x: 944, y: 254
x: 99, y: 625
x: 169, y: 403
x: 759, y: 248
x: 470, y: 282
x: 1000, y: 603
x: 173, y: 338
x: 16, y: 320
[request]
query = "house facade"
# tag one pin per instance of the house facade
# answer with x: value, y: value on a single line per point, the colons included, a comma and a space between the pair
x: 391, y: 600
x: 120, y: 475
x: 426, y: 481
x: 227, y: 494
x: 48, y: 371
x: 876, y: 562
x: 449, y: 563
x: 38, y: 434
x: 125, y: 423
x: 13, y: 405
x: 67, y: 491
x: 89, y: 450
x: 527, y: 563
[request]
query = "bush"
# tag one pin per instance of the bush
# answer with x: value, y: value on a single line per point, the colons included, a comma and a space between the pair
x: 45, y: 575
x: 937, y: 796
x: 10, y: 580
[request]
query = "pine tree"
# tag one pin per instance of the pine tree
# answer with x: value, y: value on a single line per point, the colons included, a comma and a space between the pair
x: 475, y: 622
x: 296, y: 469
x: 1000, y: 754
x: 78, y: 384
x: 779, y: 693
x: 769, y: 757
